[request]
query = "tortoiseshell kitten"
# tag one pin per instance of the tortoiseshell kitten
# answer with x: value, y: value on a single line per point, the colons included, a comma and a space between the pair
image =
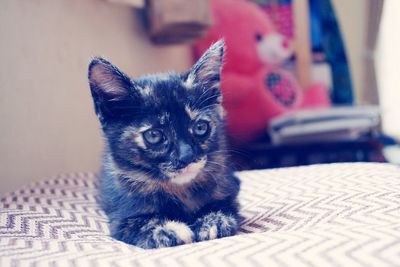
x: 165, y: 179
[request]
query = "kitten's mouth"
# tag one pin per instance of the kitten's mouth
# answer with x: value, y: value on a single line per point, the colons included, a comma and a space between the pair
x: 188, y: 173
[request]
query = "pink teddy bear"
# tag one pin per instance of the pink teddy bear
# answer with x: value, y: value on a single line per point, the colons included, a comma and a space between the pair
x: 254, y: 87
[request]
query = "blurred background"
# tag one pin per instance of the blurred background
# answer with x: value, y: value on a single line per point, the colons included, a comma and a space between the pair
x: 47, y: 121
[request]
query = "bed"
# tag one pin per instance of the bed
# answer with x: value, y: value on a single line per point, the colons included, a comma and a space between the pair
x: 344, y: 214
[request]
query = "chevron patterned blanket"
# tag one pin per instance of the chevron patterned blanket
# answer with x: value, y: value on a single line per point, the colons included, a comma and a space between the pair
x: 321, y: 215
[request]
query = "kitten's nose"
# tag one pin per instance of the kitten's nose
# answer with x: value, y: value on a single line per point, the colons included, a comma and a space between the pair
x: 185, y: 154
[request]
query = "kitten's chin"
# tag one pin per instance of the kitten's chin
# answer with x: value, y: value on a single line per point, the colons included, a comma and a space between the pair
x: 187, y: 174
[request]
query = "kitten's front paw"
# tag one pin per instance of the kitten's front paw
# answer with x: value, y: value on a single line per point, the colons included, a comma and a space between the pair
x: 215, y: 225
x: 169, y: 234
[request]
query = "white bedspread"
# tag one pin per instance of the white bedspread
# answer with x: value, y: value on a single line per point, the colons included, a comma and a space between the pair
x: 322, y: 215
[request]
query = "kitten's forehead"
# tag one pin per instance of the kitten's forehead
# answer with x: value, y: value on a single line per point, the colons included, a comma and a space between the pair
x: 172, y: 95
x: 164, y: 118
x: 159, y: 80
x: 165, y: 89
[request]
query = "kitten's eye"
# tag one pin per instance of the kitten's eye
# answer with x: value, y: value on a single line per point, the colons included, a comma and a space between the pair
x: 201, y: 128
x: 153, y: 136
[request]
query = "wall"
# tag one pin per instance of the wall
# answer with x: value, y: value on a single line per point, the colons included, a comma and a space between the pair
x: 388, y: 58
x: 47, y: 121
x: 352, y: 17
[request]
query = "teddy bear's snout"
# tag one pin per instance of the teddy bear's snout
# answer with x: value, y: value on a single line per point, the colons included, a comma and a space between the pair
x: 273, y: 48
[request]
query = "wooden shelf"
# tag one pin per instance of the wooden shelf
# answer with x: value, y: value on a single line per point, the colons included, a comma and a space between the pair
x: 133, y: 3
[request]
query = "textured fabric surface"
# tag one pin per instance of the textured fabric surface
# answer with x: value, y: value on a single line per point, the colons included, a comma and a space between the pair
x: 322, y: 215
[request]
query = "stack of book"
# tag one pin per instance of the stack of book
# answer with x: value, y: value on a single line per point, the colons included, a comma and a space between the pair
x: 339, y: 134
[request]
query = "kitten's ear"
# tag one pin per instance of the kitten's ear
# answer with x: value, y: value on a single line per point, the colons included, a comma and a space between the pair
x: 207, y: 70
x: 107, y: 81
x: 111, y: 89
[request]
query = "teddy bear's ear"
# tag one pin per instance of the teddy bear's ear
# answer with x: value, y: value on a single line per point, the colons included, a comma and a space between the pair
x: 207, y: 70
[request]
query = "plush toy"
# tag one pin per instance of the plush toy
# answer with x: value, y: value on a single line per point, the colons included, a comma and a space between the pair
x: 254, y: 87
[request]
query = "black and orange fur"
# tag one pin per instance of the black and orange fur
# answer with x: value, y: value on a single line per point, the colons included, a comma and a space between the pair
x: 144, y: 206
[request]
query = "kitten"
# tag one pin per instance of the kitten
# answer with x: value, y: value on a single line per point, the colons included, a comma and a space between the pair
x: 164, y: 179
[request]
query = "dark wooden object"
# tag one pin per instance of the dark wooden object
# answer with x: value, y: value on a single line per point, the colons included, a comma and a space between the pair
x: 177, y: 21
x: 263, y: 155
